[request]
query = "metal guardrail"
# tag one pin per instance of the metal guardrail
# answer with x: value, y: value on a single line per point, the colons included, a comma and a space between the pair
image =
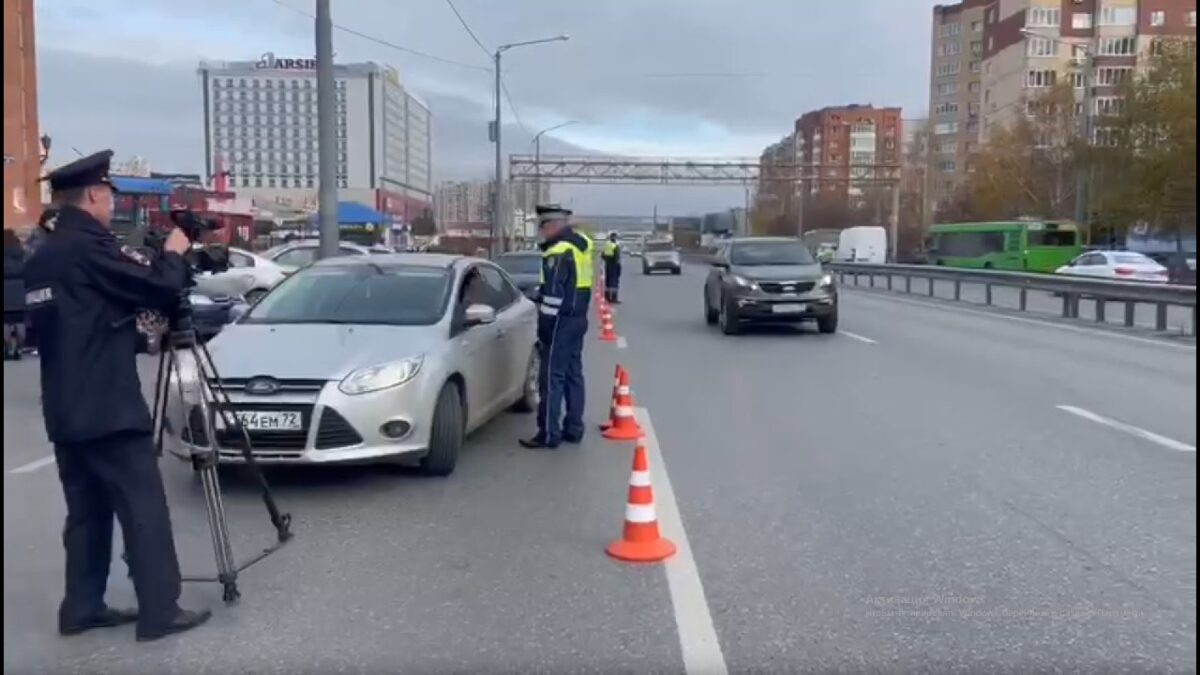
x: 1072, y: 290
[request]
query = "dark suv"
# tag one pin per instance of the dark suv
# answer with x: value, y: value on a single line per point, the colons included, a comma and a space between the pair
x: 768, y: 280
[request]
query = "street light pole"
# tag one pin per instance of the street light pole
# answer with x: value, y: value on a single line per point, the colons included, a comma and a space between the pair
x: 498, y: 226
x: 537, y: 155
x: 326, y: 133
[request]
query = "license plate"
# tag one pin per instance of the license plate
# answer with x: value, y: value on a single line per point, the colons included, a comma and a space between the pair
x: 789, y: 308
x: 274, y: 420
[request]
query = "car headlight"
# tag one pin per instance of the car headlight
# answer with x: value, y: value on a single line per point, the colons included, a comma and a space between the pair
x: 826, y: 281
x: 198, y: 300
x: 382, y: 376
x: 743, y: 282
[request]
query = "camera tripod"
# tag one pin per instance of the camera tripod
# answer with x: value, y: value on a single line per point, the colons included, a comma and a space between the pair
x: 212, y: 402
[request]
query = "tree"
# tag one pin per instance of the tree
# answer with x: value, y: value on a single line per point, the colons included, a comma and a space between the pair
x: 1145, y: 158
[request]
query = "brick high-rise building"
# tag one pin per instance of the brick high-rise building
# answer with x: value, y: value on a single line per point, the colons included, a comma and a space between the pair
x: 955, y: 84
x: 848, y: 142
x: 22, y: 148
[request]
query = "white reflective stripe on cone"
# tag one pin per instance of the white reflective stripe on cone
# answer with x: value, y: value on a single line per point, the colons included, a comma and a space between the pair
x: 623, y: 411
x: 623, y: 391
x: 551, y: 311
x: 640, y: 513
x: 639, y: 479
x: 551, y: 300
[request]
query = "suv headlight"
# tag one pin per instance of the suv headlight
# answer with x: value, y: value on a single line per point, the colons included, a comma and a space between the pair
x: 826, y: 281
x: 741, y: 281
x: 382, y: 376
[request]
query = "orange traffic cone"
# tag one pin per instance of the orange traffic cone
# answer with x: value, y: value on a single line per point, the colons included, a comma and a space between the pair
x: 624, y: 426
x: 613, y: 406
x: 641, y: 541
x: 607, y: 334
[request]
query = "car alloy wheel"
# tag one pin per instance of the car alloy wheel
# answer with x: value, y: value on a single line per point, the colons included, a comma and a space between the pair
x: 530, y: 395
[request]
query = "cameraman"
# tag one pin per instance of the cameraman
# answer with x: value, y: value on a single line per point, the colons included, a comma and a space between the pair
x: 83, y: 289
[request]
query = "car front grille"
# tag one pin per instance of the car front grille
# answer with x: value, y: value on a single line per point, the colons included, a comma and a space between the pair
x: 786, y: 286
x: 335, y: 432
x: 293, y: 386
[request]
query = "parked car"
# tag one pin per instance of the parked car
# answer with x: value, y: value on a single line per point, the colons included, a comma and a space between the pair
x: 249, y: 276
x: 661, y: 256
x: 362, y: 360
x: 1116, y: 265
x: 525, y: 268
x: 212, y: 312
x: 768, y: 280
x: 294, y: 255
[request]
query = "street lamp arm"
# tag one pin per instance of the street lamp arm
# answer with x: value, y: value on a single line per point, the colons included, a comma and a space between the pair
x: 557, y: 38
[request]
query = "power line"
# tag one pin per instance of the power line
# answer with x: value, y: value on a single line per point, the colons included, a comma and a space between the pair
x: 512, y: 107
x: 467, y: 28
x: 385, y: 43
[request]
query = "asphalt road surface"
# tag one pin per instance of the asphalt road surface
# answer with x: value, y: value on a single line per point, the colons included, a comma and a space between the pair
x: 931, y: 490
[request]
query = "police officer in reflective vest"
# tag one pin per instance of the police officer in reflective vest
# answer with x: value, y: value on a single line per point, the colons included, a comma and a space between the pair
x: 612, y: 269
x: 562, y: 324
x: 83, y: 290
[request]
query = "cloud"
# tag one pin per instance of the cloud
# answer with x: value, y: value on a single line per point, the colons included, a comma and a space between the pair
x: 662, y: 77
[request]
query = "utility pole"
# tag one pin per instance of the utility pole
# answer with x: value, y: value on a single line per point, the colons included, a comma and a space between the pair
x: 327, y: 194
x: 895, y: 224
x: 1085, y: 131
x: 497, y: 198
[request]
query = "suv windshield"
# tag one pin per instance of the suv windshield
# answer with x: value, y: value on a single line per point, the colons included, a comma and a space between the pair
x: 520, y: 264
x: 771, y: 253
x: 400, y: 295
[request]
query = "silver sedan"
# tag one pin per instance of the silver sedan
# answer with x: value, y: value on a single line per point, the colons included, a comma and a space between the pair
x: 365, y: 359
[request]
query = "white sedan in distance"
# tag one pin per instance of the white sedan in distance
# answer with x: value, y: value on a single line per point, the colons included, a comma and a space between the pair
x: 1118, y: 266
x: 249, y: 276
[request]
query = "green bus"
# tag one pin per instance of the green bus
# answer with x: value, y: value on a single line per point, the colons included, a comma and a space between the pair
x: 1021, y: 245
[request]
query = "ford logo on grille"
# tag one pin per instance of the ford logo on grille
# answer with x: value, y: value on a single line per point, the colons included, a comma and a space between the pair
x: 262, y: 386
x: 788, y: 288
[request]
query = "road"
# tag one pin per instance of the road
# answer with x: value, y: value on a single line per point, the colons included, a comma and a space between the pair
x: 930, y: 490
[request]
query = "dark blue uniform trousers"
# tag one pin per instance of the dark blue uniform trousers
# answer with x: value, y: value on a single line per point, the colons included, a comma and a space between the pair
x: 116, y: 475
x: 561, y: 380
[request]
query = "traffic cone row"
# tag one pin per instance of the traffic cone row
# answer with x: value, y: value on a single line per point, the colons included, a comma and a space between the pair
x: 607, y: 332
x: 623, y: 426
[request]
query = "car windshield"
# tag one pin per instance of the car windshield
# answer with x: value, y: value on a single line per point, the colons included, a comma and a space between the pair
x: 771, y: 253
x: 402, y: 295
x: 660, y: 247
x: 520, y: 264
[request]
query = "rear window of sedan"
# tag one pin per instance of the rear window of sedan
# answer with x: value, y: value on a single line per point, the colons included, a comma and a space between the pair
x: 400, y: 295
x: 520, y: 264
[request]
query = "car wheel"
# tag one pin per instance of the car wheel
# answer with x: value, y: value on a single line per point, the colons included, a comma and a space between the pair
x: 710, y: 314
x: 446, y: 434
x: 727, y: 317
x: 529, y: 390
x: 252, y: 297
x: 828, y: 324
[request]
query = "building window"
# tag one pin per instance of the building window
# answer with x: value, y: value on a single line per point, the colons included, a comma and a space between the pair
x: 953, y: 68
x: 1043, y: 17
x: 1118, y: 46
x: 948, y: 29
x: 947, y: 88
x: 973, y: 109
x: 977, y: 48
x: 976, y: 66
x: 1081, y: 20
x: 1189, y: 18
x: 976, y: 26
x: 1158, y: 18
x: 950, y: 48
x: 1077, y: 80
x: 974, y: 87
x: 947, y: 166
x: 946, y: 108
x: 1118, y: 16
x: 946, y: 128
x: 1112, y: 77
x: 1040, y: 47
x: 1109, y: 105
x: 1041, y: 78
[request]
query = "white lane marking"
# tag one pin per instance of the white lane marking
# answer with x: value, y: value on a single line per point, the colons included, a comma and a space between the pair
x: 622, y: 343
x: 1170, y: 443
x: 34, y: 465
x: 697, y: 636
x: 958, y: 309
x: 855, y: 336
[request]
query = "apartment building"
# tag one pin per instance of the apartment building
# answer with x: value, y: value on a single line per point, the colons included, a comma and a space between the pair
x: 957, y: 51
x: 848, y: 142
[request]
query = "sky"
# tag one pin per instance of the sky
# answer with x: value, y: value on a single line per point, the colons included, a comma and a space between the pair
x: 678, y: 78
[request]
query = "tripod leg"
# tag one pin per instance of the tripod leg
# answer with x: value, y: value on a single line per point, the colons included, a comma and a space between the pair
x: 206, y: 467
x: 224, y: 407
x: 162, y: 387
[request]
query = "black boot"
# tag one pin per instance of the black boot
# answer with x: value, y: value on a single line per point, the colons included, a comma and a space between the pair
x: 105, y: 618
x: 184, y: 620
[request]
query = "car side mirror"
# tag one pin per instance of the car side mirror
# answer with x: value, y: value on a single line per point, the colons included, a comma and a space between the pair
x: 238, y: 311
x: 479, y: 315
x: 718, y: 263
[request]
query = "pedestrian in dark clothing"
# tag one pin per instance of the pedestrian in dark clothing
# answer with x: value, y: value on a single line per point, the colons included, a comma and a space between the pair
x: 83, y: 291
x: 14, y: 296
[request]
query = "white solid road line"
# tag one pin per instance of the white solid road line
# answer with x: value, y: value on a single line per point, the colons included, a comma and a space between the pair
x: 34, y: 465
x: 697, y: 636
x: 622, y: 343
x: 855, y: 336
x: 1129, y: 429
x: 957, y: 308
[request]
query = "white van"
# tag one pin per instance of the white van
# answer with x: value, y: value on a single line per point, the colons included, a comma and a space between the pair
x: 863, y: 244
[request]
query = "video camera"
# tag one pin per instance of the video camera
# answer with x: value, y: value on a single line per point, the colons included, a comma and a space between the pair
x: 201, y: 257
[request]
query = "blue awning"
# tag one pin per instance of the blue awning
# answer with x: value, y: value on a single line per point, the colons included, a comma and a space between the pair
x: 133, y: 185
x: 353, y: 213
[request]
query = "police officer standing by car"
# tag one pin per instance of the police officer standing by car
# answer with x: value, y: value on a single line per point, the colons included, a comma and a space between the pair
x: 83, y: 290
x: 562, y: 325
x: 612, y: 269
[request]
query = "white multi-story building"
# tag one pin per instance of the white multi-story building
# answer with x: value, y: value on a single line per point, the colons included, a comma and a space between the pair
x: 260, y: 118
